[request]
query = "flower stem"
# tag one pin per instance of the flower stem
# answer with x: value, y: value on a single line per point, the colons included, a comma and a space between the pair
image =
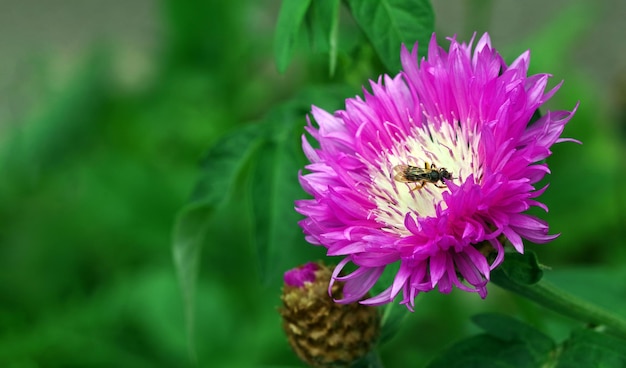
x: 551, y: 297
x: 371, y: 360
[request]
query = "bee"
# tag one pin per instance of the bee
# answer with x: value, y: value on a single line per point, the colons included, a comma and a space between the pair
x: 429, y: 174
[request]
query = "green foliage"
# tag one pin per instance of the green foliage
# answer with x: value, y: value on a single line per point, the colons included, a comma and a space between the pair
x: 81, y: 214
x: 394, y: 315
x: 587, y: 348
x: 526, y: 283
x: 387, y: 24
x: 390, y: 23
x: 505, y: 343
x: 289, y: 21
x: 510, y: 343
x: 222, y: 170
x: 49, y: 139
x: 273, y: 190
x: 520, y: 269
x: 323, y: 25
x: 259, y: 163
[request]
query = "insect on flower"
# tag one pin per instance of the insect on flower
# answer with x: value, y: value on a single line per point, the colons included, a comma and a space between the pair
x: 462, y: 108
x: 429, y: 174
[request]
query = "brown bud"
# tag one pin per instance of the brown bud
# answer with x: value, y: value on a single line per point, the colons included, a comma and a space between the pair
x: 324, y: 333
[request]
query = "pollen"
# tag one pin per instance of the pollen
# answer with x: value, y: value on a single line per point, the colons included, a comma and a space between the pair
x: 452, y: 146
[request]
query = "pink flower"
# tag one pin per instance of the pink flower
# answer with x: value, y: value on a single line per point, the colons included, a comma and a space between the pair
x: 380, y: 195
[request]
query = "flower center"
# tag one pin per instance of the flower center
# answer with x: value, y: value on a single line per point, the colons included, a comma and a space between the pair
x: 409, y: 177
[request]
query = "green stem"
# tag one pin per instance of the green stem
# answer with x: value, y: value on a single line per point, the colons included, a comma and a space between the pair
x: 551, y: 297
x: 371, y: 360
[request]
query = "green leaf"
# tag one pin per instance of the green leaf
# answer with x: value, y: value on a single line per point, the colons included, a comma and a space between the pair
x: 324, y: 29
x: 221, y: 171
x: 523, y: 269
x: 189, y: 231
x: 274, y: 185
x: 274, y: 188
x: 508, y: 329
x: 389, y: 23
x: 222, y: 166
x: 586, y: 348
x: 329, y: 97
x: 290, y: 18
x: 393, y: 316
x: 506, y: 343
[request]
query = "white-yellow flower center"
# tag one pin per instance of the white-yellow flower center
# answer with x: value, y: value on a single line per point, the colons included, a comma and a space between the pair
x: 449, y: 148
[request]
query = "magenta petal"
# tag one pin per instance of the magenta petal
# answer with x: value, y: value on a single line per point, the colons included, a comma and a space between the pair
x: 336, y: 272
x: 438, y: 267
x: 383, y: 298
x: 515, y: 239
x: 358, y: 283
x: 298, y: 276
x: 478, y: 260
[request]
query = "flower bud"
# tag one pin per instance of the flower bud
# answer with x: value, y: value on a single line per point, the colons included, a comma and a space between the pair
x: 321, y: 332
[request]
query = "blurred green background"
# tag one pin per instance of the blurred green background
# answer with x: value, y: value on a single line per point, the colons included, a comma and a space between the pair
x: 106, y: 109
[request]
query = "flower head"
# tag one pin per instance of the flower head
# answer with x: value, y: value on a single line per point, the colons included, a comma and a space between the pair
x: 431, y: 168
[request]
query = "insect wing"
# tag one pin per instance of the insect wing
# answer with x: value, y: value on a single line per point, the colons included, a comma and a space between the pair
x: 399, y: 173
x: 408, y: 174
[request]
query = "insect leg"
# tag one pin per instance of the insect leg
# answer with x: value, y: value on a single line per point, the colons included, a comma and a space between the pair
x: 418, y: 186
